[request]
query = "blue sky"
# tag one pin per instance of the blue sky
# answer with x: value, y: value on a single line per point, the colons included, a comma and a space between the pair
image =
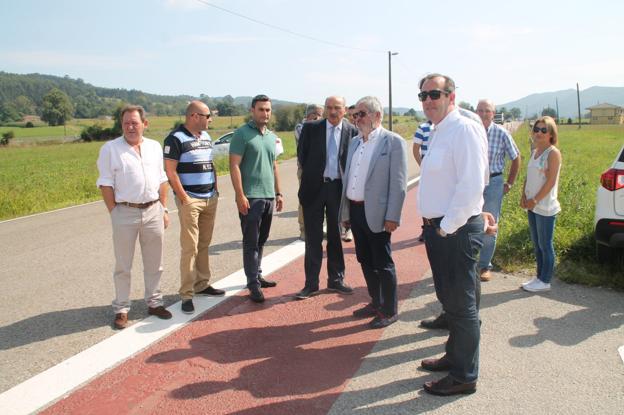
x: 500, y: 50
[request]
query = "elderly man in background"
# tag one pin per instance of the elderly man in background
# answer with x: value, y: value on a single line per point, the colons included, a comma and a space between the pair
x: 134, y: 188
x: 375, y: 183
x: 450, y: 197
x: 192, y: 175
x: 500, y: 144
x: 313, y: 112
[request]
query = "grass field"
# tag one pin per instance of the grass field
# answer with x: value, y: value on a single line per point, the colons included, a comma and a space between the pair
x: 586, y: 154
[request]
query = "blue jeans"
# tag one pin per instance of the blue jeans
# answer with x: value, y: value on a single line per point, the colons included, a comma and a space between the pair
x: 453, y: 261
x: 493, y: 200
x: 542, y: 232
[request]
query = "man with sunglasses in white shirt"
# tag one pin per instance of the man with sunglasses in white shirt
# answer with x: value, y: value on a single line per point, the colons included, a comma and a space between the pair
x: 450, y: 197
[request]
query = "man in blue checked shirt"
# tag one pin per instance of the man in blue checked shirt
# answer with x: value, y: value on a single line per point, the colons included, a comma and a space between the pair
x: 500, y: 145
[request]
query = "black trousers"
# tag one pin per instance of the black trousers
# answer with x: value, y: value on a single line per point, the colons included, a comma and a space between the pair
x: 327, y: 205
x: 255, y: 226
x: 374, y: 253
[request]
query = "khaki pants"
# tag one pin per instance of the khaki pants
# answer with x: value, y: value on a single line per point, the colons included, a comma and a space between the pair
x: 148, y: 225
x: 196, y: 225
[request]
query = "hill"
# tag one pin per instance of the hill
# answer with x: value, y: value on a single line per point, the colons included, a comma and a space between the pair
x: 535, y: 103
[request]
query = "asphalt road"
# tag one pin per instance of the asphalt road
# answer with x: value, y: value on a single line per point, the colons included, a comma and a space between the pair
x: 56, y: 270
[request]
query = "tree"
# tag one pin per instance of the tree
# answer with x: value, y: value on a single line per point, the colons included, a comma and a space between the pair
x: 411, y: 112
x: 515, y: 113
x: 466, y: 105
x: 550, y: 112
x: 287, y: 116
x: 24, y: 106
x: 57, y: 108
x: 8, y: 113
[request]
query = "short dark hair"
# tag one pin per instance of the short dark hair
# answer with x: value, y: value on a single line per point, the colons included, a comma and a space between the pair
x: 261, y: 98
x: 132, y: 108
x: 449, y: 84
x: 351, y: 107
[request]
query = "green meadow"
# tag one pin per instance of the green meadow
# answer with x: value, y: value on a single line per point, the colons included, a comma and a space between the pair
x: 586, y: 154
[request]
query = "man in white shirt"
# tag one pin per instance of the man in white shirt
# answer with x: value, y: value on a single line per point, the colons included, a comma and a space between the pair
x: 450, y: 198
x: 372, y: 200
x: 134, y: 188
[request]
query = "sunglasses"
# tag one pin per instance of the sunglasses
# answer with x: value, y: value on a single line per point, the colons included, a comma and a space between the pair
x: 360, y: 114
x: 434, y: 94
x: 543, y: 130
x: 204, y: 115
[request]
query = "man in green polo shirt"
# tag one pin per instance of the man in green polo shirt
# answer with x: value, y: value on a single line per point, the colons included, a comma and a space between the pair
x: 255, y: 178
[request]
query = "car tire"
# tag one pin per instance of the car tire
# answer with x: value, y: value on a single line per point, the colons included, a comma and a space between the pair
x: 604, y: 253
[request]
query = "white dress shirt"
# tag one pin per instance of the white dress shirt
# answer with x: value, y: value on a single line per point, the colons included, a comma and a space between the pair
x: 454, y: 173
x: 134, y: 178
x: 360, y: 164
x: 336, y: 140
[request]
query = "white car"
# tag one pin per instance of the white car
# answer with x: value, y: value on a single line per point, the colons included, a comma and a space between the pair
x: 609, y: 218
x: 221, y: 147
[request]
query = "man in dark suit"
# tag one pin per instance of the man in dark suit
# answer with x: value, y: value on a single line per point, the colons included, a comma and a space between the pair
x: 322, y: 155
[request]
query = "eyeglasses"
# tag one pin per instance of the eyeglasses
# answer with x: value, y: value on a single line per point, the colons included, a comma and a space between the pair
x: 434, y: 94
x: 204, y: 115
x: 543, y: 130
x: 360, y: 114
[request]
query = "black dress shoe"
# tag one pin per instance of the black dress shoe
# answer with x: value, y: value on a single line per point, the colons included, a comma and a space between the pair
x: 306, y: 293
x: 188, y: 307
x: 436, y: 365
x: 266, y: 283
x: 255, y: 293
x: 382, y: 321
x: 210, y: 290
x: 340, y: 287
x: 160, y: 312
x: 368, y: 310
x: 447, y: 387
x: 438, y: 323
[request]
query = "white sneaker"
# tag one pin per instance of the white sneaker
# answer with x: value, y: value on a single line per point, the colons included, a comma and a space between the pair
x: 347, y: 236
x: 536, y: 286
x: 530, y: 281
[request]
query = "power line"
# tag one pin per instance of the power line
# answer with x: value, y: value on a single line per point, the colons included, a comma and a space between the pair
x: 290, y: 32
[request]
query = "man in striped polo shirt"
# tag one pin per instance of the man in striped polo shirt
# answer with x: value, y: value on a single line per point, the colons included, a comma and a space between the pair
x: 191, y: 173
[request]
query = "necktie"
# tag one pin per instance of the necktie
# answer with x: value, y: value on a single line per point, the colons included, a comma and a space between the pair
x: 332, y: 154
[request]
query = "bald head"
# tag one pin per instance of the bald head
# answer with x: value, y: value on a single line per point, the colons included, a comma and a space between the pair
x: 197, y: 117
x: 196, y: 106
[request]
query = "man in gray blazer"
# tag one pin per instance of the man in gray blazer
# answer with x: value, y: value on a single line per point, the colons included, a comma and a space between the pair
x: 375, y: 182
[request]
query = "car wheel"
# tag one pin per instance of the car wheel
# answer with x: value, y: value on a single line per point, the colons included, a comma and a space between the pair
x: 604, y: 253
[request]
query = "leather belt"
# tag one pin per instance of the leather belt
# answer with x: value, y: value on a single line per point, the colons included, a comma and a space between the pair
x: 329, y: 180
x: 356, y: 202
x: 495, y: 174
x: 435, y: 222
x: 138, y: 205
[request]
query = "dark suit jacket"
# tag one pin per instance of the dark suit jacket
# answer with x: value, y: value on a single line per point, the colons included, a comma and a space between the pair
x: 312, y: 152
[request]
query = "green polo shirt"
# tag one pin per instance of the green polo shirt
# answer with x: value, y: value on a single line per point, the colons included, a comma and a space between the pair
x: 258, y: 155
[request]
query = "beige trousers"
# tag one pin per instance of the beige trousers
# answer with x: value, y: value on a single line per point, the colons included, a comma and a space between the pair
x: 148, y: 225
x: 196, y: 225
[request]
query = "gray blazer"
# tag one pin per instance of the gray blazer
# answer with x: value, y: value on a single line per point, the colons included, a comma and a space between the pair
x: 386, y: 181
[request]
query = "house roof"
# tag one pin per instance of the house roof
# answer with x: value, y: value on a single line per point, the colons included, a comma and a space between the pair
x: 602, y: 106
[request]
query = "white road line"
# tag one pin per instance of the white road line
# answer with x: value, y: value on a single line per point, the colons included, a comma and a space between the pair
x: 60, y: 380
x: 50, y: 211
x: 621, y: 350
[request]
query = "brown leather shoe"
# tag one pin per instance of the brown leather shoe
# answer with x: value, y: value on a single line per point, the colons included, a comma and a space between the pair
x: 486, y: 275
x: 368, y: 310
x: 447, y: 387
x: 160, y: 312
x: 436, y: 365
x: 121, y: 321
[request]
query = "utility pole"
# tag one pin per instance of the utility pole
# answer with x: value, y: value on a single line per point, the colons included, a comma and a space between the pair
x: 557, y: 105
x: 390, y: 54
x: 578, y: 101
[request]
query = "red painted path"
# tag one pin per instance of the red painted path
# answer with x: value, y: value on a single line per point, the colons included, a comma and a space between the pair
x: 281, y: 357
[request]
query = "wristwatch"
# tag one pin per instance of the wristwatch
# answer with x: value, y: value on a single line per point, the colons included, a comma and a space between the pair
x: 166, y: 210
x: 278, y: 194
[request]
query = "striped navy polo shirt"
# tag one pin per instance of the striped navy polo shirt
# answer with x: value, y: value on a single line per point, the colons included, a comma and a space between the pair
x: 194, y: 156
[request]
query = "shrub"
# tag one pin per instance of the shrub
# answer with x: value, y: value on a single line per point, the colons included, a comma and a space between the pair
x: 97, y: 133
x: 29, y: 124
x: 6, y: 137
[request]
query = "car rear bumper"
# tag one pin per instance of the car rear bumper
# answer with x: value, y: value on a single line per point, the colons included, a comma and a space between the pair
x: 610, y: 232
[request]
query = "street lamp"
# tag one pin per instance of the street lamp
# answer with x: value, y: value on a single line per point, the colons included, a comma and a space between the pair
x: 390, y: 54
